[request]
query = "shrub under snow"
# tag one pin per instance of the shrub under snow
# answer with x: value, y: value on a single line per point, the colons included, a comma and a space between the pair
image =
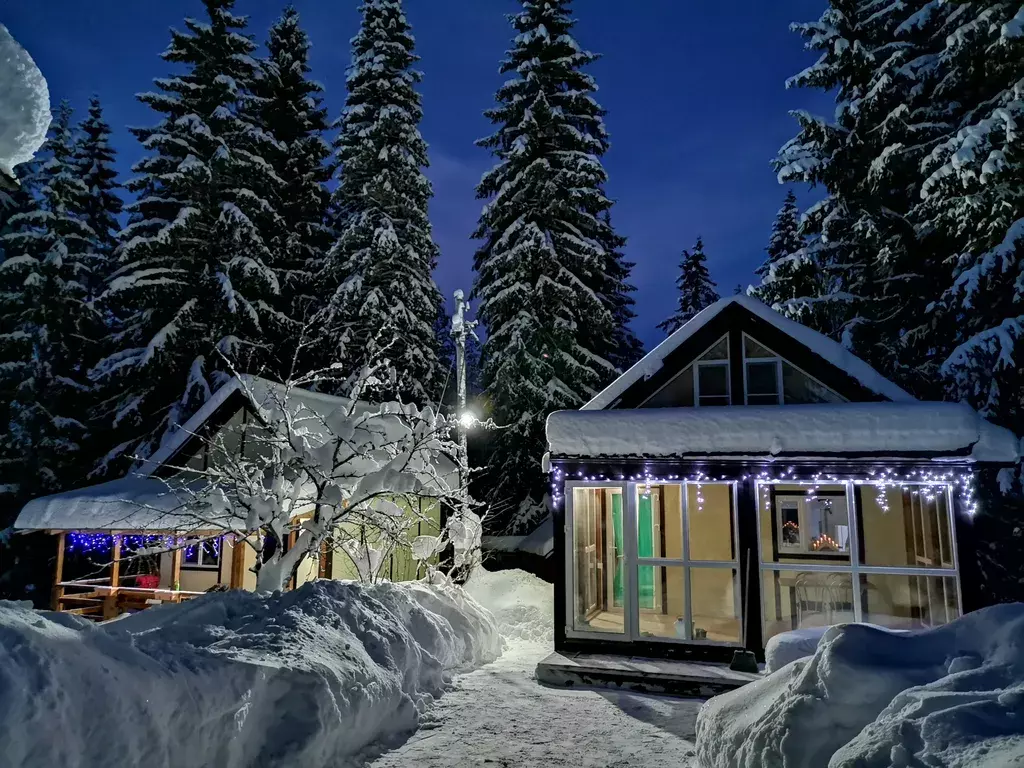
x: 25, y: 116
x: 868, y: 698
x: 309, y: 677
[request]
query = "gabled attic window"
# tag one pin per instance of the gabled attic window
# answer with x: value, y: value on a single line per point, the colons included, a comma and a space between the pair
x: 712, y: 375
x: 770, y: 380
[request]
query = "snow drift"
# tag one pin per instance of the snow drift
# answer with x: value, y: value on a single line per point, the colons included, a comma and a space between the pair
x: 24, y: 105
x: 951, y: 696
x: 309, y: 677
x: 522, y: 604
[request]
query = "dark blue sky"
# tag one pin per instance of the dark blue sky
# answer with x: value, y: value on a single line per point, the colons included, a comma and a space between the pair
x: 695, y: 93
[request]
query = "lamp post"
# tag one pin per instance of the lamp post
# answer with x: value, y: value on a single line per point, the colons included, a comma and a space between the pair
x: 461, y: 329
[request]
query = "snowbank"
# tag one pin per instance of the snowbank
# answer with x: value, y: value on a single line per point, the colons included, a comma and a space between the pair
x: 522, y: 604
x: 310, y: 677
x: 787, y: 647
x: 951, y: 696
x: 25, y: 116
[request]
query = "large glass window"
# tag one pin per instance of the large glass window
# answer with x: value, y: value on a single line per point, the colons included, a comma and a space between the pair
x: 888, y: 559
x: 687, y: 588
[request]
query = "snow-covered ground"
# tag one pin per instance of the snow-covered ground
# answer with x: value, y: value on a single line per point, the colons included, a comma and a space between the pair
x: 871, y: 698
x: 309, y: 678
x: 499, y: 715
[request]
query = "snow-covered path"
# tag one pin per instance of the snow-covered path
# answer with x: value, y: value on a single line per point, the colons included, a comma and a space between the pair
x: 500, y: 716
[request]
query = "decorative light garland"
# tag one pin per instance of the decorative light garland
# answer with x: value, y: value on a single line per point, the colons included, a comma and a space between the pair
x: 88, y: 543
x: 880, y: 479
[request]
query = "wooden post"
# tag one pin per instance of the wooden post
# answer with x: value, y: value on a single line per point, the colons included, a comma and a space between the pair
x: 292, y: 537
x: 110, y: 601
x: 58, y: 575
x: 238, y: 564
x: 176, y: 566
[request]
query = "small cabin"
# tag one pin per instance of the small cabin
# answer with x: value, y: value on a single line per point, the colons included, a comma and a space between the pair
x: 750, y: 476
x: 130, y: 543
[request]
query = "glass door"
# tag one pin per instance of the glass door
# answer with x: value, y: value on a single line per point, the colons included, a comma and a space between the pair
x: 598, y: 593
x: 686, y: 563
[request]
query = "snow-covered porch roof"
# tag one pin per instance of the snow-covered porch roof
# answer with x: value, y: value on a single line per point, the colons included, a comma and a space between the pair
x: 130, y: 504
x: 903, y: 429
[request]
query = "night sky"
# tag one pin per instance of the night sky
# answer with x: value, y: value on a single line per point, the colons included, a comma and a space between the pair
x: 695, y: 94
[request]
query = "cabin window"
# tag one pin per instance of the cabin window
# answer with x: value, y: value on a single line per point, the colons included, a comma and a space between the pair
x: 202, y: 554
x: 813, y: 525
x: 770, y: 380
x: 712, y: 375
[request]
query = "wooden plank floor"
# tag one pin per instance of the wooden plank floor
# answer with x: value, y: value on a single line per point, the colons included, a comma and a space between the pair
x: 683, y: 678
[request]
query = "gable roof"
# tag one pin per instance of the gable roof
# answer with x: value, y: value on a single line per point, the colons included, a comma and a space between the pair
x: 817, y: 343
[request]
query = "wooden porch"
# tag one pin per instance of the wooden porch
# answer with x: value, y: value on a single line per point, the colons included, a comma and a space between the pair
x: 107, y: 597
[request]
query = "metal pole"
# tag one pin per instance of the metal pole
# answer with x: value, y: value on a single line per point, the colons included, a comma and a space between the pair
x: 459, y: 331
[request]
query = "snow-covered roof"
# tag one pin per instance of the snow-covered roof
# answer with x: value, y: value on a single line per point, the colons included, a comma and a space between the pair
x: 129, y: 504
x: 820, y: 345
x: 922, y: 428
x: 268, y: 396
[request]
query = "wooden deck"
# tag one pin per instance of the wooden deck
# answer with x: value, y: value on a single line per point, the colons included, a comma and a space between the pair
x: 681, y: 678
x: 98, y: 599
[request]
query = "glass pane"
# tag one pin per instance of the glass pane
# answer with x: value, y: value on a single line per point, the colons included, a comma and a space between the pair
x: 598, y: 581
x: 718, y: 352
x: 800, y: 599
x: 762, y: 379
x: 752, y: 349
x: 906, y: 527
x: 662, y: 601
x: 713, y: 596
x: 211, y: 552
x: 714, y: 380
x: 799, y: 388
x: 800, y: 524
x: 659, y: 519
x: 710, y: 521
x: 908, y: 602
x: 678, y: 393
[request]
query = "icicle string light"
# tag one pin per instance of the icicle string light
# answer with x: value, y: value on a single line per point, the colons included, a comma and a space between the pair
x: 922, y: 481
x: 89, y: 543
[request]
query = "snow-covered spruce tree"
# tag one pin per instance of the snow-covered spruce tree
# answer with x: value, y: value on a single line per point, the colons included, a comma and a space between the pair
x: 544, y: 246
x: 874, y: 57
x: 193, y: 280
x: 288, y: 104
x: 95, y: 157
x: 624, y: 346
x: 697, y: 290
x: 44, y: 324
x: 384, y: 256
x: 973, y: 205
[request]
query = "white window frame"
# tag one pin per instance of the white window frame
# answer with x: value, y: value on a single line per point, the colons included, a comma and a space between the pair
x: 698, y: 364
x: 632, y: 563
x: 803, y: 510
x: 854, y: 568
x: 199, y: 565
x: 778, y: 360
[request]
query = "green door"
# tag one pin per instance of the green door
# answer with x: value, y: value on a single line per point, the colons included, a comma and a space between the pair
x: 617, y: 579
x: 645, y: 548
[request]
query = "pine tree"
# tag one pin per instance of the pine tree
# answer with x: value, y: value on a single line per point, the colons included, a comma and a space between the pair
x: 288, y: 104
x: 95, y: 158
x: 193, y: 281
x: 544, y: 247
x: 697, y: 291
x: 44, y: 317
x: 384, y: 256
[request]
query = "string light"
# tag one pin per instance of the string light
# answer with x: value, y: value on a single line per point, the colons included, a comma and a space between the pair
x: 927, y: 482
x: 102, y: 543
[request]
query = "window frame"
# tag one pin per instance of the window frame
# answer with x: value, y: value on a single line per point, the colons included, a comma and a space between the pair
x: 725, y: 363
x: 805, y: 552
x: 199, y: 565
x: 779, y: 361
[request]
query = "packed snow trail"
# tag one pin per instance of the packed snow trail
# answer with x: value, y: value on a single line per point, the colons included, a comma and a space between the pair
x: 499, y: 715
